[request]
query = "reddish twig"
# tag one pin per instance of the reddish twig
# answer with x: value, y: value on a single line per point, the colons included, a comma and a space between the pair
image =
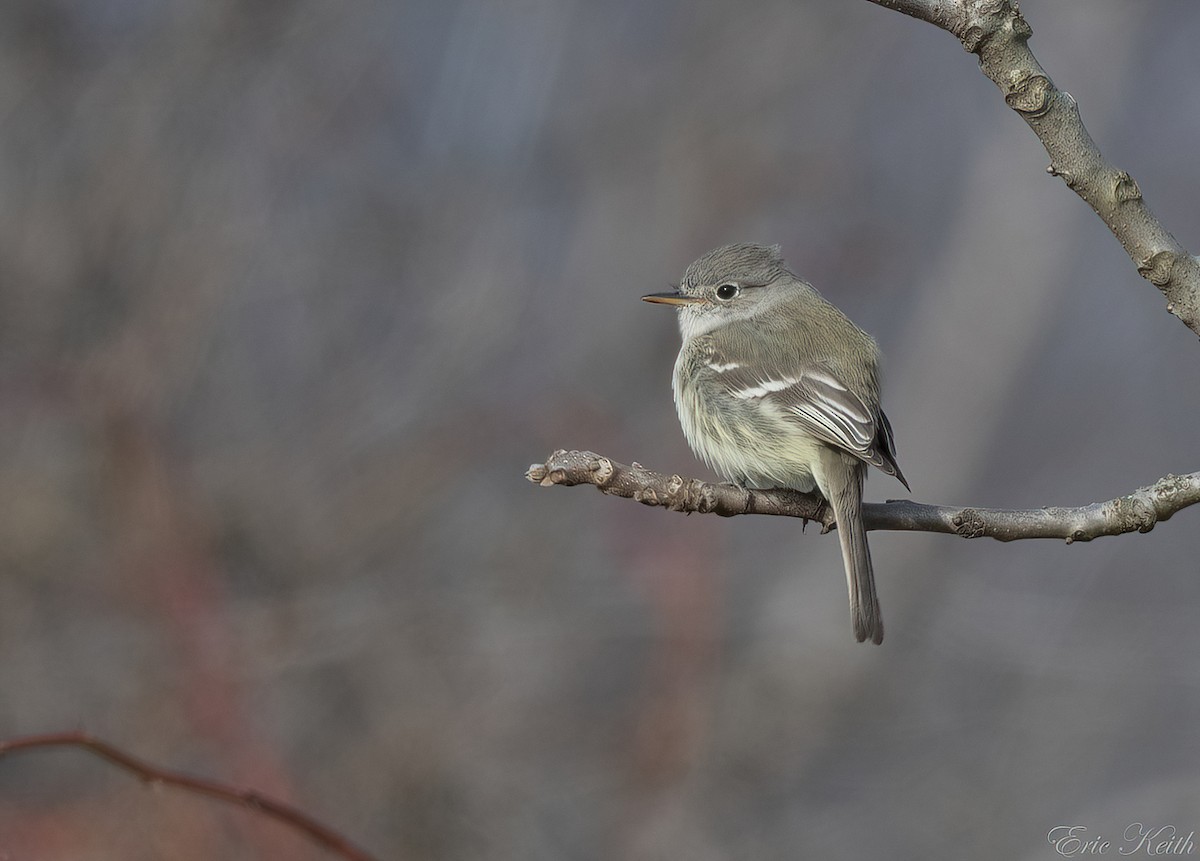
x: 151, y: 774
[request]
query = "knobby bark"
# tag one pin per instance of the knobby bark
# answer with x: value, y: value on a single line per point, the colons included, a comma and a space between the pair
x: 996, y: 32
x: 1138, y: 511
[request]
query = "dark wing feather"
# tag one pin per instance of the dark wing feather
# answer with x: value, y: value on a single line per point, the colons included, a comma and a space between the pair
x: 886, y: 447
x: 831, y: 412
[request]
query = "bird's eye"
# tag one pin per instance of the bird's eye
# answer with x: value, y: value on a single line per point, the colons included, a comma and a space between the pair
x: 728, y: 291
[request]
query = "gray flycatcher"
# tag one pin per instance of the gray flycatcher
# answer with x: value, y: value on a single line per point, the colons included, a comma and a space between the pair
x: 775, y: 387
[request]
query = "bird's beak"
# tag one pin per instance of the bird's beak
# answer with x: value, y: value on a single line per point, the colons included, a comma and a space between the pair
x: 671, y: 299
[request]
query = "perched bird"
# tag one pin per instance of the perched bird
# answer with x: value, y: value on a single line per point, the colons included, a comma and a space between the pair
x: 775, y: 387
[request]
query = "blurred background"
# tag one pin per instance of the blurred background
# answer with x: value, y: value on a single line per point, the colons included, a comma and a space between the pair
x: 293, y: 292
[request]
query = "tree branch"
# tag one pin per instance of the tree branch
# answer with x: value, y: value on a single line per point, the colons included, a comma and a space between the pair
x: 1139, y: 511
x: 996, y: 32
x: 290, y: 816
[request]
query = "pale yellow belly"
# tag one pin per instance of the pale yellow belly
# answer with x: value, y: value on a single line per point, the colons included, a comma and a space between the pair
x: 746, y: 441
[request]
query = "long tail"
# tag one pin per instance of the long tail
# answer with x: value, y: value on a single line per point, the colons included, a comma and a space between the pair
x: 842, y: 485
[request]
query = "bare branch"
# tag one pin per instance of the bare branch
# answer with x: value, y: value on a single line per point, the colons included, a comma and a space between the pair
x: 947, y: 14
x: 995, y: 30
x: 1139, y: 511
x: 151, y: 774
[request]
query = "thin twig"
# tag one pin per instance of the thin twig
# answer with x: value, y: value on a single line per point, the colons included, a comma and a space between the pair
x: 996, y: 32
x: 1139, y: 511
x: 151, y: 774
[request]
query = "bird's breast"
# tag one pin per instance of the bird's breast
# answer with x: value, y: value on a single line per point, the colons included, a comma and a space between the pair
x: 745, y: 440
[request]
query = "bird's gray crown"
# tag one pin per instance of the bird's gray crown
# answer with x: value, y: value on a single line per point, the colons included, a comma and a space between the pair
x: 744, y: 263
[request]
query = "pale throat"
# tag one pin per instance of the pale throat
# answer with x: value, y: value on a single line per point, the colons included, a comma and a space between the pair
x: 694, y: 323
